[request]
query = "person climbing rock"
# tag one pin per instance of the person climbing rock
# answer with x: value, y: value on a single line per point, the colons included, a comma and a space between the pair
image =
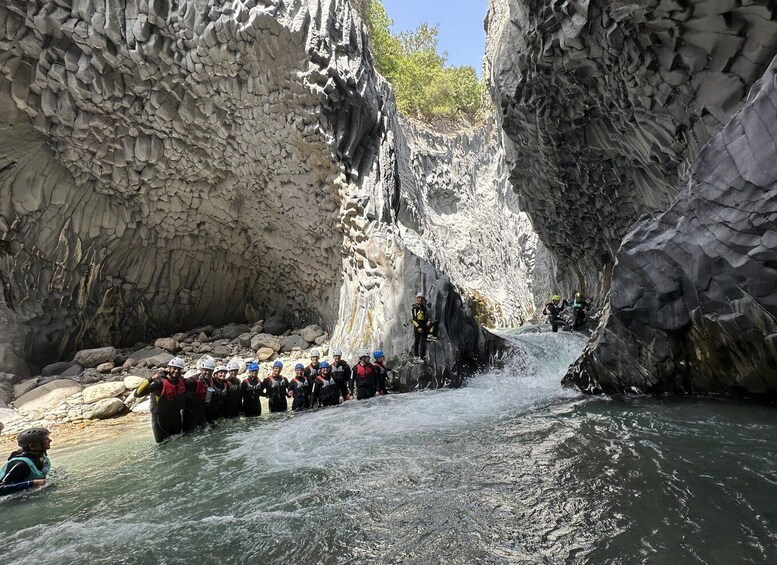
x: 198, y: 407
x: 325, y: 390
x: 28, y: 466
x: 424, y: 328
x: 553, y: 311
x: 579, y: 316
x: 233, y: 400
x: 380, y: 371
x: 275, y: 388
x: 299, y: 389
x: 250, y: 392
x: 341, y: 371
x: 168, y: 397
x: 364, y: 377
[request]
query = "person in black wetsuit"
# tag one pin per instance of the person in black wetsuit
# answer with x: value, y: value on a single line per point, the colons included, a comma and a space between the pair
x: 198, y: 410
x: 312, y: 371
x: 341, y: 371
x: 275, y: 388
x: 553, y: 311
x: 579, y: 307
x: 251, y: 391
x: 325, y: 391
x: 233, y: 399
x: 364, y: 377
x: 168, y: 394
x: 424, y: 329
x: 299, y: 389
x: 219, y: 400
x: 28, y: 466
x: 380, y: 371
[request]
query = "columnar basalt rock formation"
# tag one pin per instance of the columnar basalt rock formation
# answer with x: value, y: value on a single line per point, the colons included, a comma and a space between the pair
x: 169, y: 164
x: 693, y: 304
x: 605, y: 104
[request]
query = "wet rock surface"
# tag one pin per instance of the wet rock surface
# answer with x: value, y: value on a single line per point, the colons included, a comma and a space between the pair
x: 604, y: 105
x: 693, y: 304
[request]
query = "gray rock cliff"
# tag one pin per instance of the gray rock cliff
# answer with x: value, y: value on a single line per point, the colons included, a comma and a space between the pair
x: 693, y: 303
x: 167, y: 165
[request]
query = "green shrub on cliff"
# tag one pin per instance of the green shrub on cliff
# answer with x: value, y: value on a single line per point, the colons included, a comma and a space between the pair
x: 425, y: 87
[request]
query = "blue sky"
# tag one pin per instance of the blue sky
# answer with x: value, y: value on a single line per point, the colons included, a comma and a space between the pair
x: 460, y: 23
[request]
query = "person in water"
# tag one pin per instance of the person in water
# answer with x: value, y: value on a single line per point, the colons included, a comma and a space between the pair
x: 325, y: 391
x: 364, y: 377
x: 341, y: 371
x: 380, y: 371
x: 553, y: 311
x: 233, y: 398
x: 311, y: 372
x: 199, y: 409
x: 579, y: 307
x: 299, y: 389
x: 219, y: 400
x: 424, y: 329
x: 251, y: 392
x: 275, y: 388
x: 168, y: 395
x: 28, y: 466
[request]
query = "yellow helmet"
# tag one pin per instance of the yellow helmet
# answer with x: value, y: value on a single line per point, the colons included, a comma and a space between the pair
x: 555, y: 297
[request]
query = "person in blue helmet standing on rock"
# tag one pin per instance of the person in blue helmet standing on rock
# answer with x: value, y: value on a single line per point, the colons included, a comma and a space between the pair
x: 29, y: 466
x: 424, y: 329
x: 380, y: 371
x: 276, y: 388
x: 251, y: 392
x: 299, y: 389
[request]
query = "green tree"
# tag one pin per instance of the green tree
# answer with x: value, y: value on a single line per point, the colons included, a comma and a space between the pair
x: 424, y: 86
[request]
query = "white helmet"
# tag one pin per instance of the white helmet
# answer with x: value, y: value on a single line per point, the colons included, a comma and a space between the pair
x: 337, y: 353
x: 233, y: 366
x: 315, y: 353
x: 364, y: 353
x: 208, y: 363
x: 220, y: 368
x: 419, y: 295
x: 176, y: 362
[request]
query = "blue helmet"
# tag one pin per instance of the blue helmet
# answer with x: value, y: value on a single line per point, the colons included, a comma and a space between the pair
x: 278, y: 363
x: 253, y: 367
x: 378, y: 354
x: 299, y: 366
x: 324, y: 365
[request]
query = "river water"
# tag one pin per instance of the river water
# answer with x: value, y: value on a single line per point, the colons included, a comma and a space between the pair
x: 510, y: 469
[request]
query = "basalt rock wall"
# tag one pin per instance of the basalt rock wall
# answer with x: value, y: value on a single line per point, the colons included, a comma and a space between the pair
x: 605, y: 104
x: 693, y: 305
x: 169, y: 164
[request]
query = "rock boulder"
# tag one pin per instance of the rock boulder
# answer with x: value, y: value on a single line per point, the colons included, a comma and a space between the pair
x: 89, y: 358
x: 47, y: 397
x: 104, y: 390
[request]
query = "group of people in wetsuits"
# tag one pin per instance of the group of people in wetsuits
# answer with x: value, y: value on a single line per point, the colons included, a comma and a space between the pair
x: 555, y: 307
x: 182, y: 405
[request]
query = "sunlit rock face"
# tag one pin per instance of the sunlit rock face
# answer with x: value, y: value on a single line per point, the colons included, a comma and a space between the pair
x: 605, y: 104
x: 693, y: 304
x: 168, y: 164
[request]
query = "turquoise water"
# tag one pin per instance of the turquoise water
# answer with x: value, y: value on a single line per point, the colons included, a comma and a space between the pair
x: 510, y: 469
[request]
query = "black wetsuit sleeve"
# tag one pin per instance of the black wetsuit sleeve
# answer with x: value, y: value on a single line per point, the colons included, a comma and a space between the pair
x: 16, y: 473
x: 15, y: 487
x: 148, y: 387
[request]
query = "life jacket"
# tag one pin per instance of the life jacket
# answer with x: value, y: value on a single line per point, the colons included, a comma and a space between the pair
x: 171, y: 391
x: 299, y: 387
x: 419, y: 314
x: 252, y: 389
x: 275, y: 392
x: 365, y: 376
x: 328, y: 390
x: 35, y: 473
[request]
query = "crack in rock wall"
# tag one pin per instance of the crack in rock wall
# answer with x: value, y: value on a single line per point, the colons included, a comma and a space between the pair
x: 604, y: 105
x: 169, y: 164
x: 693, y: 304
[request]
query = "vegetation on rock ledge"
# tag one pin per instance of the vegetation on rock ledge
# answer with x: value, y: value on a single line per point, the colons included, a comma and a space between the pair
x: 425, y: 87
